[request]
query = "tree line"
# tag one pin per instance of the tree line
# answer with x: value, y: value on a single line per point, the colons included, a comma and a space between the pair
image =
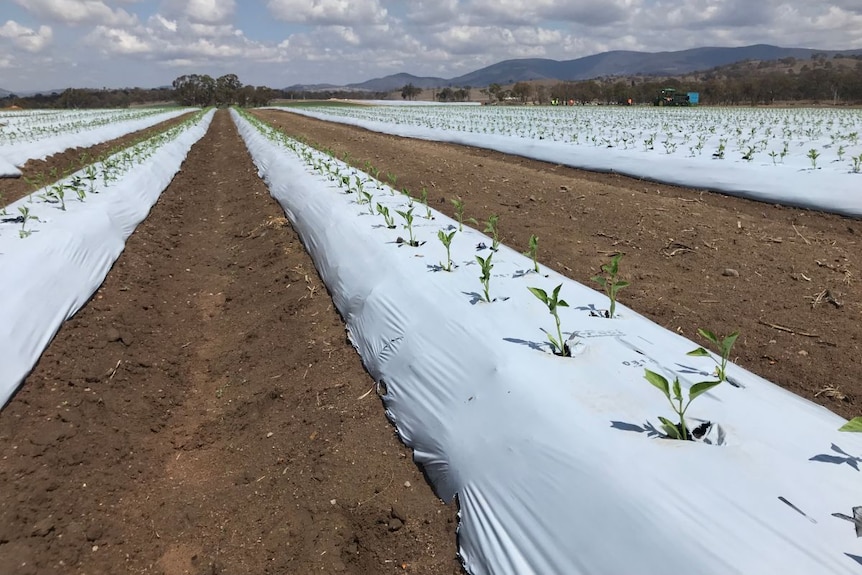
x: 188, y: 90
x: 227, y: 90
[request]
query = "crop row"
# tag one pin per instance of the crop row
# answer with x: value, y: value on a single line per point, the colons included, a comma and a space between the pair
x: 799, y: 138
x: 87, y: 176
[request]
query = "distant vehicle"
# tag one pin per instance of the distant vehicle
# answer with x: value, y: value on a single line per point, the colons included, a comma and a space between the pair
x: 670, y: 97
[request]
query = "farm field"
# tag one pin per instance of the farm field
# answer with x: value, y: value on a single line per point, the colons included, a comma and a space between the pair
x: 807, y: 157
x: 202, y: 413
x: 213, y: 332
x: 786, y: 277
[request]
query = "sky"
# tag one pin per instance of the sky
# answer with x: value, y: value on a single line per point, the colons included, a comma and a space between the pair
x: 50, y: 44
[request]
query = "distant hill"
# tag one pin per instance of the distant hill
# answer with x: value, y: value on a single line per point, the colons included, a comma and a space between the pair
x: 398, y: 81
x: 384, y: 84
x: 4, y: 93
x: 615, y: 63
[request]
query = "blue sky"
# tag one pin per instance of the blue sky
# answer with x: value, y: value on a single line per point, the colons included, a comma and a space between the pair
x: 47, y: 44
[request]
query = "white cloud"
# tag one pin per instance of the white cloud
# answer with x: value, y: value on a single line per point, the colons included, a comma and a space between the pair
x: 329, y: 12
x: 425, y: 12
x: 27, y: 38
x: 586, y: 12
x: 118, y: 41
x: 202, y: 11
x: 74, y: 12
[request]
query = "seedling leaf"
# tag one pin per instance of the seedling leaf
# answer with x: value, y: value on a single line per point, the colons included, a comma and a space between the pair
x: 854, y: 425
x: 700, y: 388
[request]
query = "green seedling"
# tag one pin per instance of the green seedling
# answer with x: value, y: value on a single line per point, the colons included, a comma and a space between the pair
x: 384, y: 211
x: 533, y: 251
x: 37, y: 182
x: 553, y: 302
x: 25, y: 217
x: 459, y: 212
x: 841, y: 151
x: 76, y: 184
x: 491, y: 227
x: 724, y: 345
x: 408, y: 218
x: 857, y: 163
x: 485, y: 278
x: 677, y: 430
x: 446, y: 240
x: 393, y: 179
x: 344, y: 181
x: 610, y: 282
x: 56, y: 193
x: 813, y: 154
x: 366, y: 198
x: 90, y: 176
x: 423, y: 195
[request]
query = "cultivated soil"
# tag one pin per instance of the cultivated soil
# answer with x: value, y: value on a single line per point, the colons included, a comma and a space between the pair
x: 204, y: 413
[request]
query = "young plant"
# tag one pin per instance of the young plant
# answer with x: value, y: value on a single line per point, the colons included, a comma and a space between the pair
x: 459, y: 212
x: 610, y: 282
x: 532, y: 252
x: 393, y: 179
x: 446, y: 240
x: 485, y: 278
x: 408, y: 218
x: 491, y: 226
x: 366, y: 198
x: 384, y: 211
x: 423, y: 195
x: 553, y: 302
x: 857, y: 163
x: 724, y: 345
x: 677, y: 430
x: 90, y: 175
x: 37, y: 182
x: 57, y: 193
x: 25, y: 217
x: 76, y: 184
x: 720, y: 152
x: 813, y: 154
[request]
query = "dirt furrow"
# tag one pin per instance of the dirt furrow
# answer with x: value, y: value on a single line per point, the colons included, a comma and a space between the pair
x: 789, y: 279
x: 205, y: 414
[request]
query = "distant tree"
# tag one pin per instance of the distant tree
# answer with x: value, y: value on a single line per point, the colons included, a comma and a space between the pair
x: 495, y: 90
x: 409, y: 92
x: 446, y: 94
x: 194, y: 90
x: 227, y: 88
x: 522, y: 91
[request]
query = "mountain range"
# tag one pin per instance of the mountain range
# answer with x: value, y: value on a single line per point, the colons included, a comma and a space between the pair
x: 614, y: 63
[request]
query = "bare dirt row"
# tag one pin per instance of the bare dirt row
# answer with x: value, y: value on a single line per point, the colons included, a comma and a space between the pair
x: 789, y: 279
x: 204, y: 413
